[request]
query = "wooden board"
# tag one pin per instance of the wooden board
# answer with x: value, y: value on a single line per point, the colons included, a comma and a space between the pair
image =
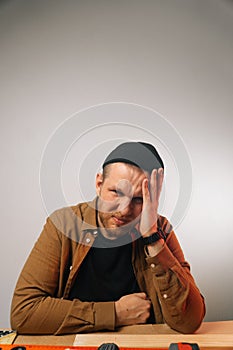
x: 218, y: 334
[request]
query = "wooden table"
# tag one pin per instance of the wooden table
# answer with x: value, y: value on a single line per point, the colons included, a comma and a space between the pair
x: 211, y: 336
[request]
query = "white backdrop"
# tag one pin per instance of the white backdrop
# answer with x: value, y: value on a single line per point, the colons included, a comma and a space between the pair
x: 172, y: 56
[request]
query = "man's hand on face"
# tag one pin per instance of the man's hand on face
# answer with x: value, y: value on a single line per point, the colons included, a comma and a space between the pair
x: 151, y: 190
x: 132, y: 309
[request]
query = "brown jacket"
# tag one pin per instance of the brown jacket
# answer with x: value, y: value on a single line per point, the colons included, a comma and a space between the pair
x: 41, y: 302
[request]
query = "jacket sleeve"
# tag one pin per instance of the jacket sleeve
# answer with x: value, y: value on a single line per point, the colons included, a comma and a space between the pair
x: 182, y: 305
x: 36, y: 307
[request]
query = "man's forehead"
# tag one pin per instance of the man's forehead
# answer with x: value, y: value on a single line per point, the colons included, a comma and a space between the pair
x: 126, y: 170
x: 127, y: 178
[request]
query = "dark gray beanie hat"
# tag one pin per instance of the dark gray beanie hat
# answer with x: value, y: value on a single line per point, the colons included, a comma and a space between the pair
x: 141, y: 154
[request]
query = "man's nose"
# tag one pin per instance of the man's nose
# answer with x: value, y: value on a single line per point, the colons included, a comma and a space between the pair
x: 125, y: 206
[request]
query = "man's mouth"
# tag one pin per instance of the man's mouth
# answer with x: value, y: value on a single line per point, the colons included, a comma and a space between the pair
x: 119, y: 221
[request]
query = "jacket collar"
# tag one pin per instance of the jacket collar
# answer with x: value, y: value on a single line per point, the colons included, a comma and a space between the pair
x: 89, y: 221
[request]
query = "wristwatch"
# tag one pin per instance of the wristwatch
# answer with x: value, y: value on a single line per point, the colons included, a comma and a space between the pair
x: 156, y: 236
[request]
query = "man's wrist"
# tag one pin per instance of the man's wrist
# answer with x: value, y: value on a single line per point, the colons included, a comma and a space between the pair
x: 155, y: 248
x: 150, y: 232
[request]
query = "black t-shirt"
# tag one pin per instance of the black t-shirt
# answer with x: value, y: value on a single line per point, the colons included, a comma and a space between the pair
x: 106, y: 273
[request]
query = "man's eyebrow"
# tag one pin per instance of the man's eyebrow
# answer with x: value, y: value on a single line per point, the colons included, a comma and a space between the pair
x: 138, y: 195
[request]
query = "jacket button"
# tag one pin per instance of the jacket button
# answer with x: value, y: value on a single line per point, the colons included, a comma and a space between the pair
x: 71, y: 267
x: 165, y: 296
x: 88, y: 240
x: 152, y: 265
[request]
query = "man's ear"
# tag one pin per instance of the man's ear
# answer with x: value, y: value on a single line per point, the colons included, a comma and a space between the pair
x: 98, y: 183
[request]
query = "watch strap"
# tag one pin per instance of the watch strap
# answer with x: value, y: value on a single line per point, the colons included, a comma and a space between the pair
x: 154, y: 237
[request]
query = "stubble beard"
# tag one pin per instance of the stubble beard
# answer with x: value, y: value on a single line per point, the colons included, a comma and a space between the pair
x: 111, y: 229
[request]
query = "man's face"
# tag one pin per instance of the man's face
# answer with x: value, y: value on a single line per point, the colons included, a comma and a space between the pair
x: 120, y: 198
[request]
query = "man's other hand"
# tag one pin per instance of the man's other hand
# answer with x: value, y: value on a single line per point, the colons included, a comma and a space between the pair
x: 132, y: 309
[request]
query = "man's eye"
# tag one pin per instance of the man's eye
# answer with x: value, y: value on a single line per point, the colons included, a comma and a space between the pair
x: 119, y: 193
x: 138, y: 200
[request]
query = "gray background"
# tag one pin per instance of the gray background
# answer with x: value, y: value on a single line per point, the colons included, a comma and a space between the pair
x: 174, y: 56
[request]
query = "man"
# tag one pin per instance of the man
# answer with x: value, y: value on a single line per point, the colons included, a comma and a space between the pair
x: 111, y: 262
